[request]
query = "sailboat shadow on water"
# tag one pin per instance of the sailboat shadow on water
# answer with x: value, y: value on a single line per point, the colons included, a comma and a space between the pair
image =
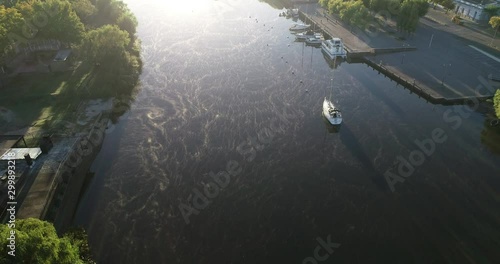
x: 332, y: 129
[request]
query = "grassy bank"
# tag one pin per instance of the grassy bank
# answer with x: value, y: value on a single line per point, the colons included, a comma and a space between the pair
x: 51, y: 102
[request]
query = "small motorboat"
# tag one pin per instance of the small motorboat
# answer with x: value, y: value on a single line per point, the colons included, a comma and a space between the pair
x: 292, y: 13
x: 334, y: 48
x: 303, y: 36
x: 299, y: 27
x: 315, y: 41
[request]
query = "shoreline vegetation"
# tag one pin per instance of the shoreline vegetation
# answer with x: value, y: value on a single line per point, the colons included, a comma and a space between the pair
x: 105, y: 60
x: 405, y: 14
x: 105, y: 66
x: 361, y: 12
x: 102, y: 37
x: 38, y: 242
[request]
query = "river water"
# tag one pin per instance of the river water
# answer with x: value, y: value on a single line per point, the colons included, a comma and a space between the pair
x: 225, y: 88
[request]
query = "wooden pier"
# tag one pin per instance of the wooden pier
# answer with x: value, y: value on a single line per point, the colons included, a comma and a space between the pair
x: 358, y: 50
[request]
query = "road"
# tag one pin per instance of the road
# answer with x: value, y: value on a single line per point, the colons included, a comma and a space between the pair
x: 444, y: 61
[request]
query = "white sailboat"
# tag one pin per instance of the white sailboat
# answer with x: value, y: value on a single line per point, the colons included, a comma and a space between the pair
x: 330, y: 111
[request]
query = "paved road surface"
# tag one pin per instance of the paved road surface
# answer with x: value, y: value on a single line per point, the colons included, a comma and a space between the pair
x: 449, y: 67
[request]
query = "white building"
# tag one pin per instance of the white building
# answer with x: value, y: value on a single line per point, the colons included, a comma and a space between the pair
x: 473, y: 9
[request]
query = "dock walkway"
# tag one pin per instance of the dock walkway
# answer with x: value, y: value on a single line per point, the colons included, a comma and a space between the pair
x: 425, y: 71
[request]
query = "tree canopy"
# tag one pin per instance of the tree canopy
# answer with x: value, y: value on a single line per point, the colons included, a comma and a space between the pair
x: 35, y: 19
x: 107, y: 43
x: 63, y: 23
x: 491, y: 10
x: 38, y: 242
x: 101, y: 32
x: 84, y: 9
x: 10, y: 22
x: 447, y: 4
x: 356, y: 12
x: 495, y: 22
x: 410, y: 12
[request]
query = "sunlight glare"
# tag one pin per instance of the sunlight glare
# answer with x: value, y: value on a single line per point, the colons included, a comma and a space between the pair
x: 185, y: 6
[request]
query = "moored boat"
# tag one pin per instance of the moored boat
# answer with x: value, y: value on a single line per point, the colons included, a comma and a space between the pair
x: 299, y: 27
x: 331, y: 113
x: 306, y: 35
x: 334, y: 48
x: 292, y: 12
x: 315, y: 41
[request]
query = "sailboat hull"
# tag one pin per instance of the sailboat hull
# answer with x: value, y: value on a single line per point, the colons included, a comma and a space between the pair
x: 332, y: 114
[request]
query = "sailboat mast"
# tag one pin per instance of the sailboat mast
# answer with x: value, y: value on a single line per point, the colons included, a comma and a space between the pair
x: 333, y: 71
x: 331, y: 88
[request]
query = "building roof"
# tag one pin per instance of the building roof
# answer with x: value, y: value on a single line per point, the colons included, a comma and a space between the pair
x: 477, y: 2
x: 8, y: 141
x: 62, y: 55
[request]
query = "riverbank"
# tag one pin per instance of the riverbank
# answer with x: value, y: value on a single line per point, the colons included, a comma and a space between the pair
x: 61, y: 106
x: 56, y: 185
x: 435, y: 63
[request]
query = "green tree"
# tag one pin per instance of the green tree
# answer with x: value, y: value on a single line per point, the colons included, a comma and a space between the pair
x: 128, y: 22
x: 10, y: 23
x: 348, y: 10
x: 334, y: 6
x: 491, y: 10
x: 361, y: 15
x: 107, y: 43
x: 118, y: 59
x: 84, y: 9
x: 378, y: 5
x: 62, y: 22
x: 495, y: 23
x: 422, y: 7
x: 447, y: 4
x: 410, y: 13
x: 11, y: 3
x: 324, y: 3
x: 109, y: 11
x: 37, y: 242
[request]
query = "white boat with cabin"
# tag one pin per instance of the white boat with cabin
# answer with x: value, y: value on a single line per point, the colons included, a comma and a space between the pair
x: 315, y: 41
x: 334, y: 48
x: 299, y: 27
x: 306, y: 35
x: 292, y: 12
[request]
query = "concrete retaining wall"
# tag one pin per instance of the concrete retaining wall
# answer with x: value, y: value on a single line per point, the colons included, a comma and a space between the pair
x: 71, y: 176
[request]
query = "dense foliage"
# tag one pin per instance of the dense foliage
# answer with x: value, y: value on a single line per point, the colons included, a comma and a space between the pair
x: 357, y: 12
x: 447, y: 4
x: 38, y: 242
x: 495, y: 22
x: 30, y: 20
x: 101, y: 32
x: 410, y: 13
x: 491, y: 10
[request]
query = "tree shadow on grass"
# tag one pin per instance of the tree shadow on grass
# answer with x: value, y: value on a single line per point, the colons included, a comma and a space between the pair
x: 49, y: 103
